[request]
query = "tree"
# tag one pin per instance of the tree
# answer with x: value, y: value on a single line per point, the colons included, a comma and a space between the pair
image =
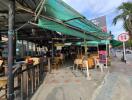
x: 125, y: 15
x: 111, y: 35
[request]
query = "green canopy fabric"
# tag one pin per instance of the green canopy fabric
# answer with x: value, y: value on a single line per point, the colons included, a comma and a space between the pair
x: 88, y: 43
x: 104, y: 42
x: 54, y: 26
x: 92, y: 43
x: 60, y: 11
x: 115, y: 43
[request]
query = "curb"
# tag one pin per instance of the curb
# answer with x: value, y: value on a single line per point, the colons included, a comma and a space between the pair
x: 98, y: 89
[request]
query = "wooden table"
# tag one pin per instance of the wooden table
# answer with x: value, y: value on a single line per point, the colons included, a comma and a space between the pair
x: 3, y: 85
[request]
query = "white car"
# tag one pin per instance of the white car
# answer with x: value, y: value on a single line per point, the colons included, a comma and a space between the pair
x: 128, y: 51
x: 118, y: 50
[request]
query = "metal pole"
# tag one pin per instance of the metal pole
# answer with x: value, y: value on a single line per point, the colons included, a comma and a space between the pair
x: 16, y: 44
x: 85, y: 46
x: 32, y: 48
x: 0, y: 36
x: 106, y: 55
x: 10, y: 48
x: 27, y: 48
x: 88, y: 74
x: 52, y: 49
x: 124, y: 52
x: 109, y: 51
x: 23, y: 52
x: 98, y: 49
x: 35, y: 49
x: 39, y: 50
x: 86, y: 61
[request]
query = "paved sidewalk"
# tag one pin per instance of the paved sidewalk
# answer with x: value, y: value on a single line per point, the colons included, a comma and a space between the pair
x: 66, y: 85
x: 118, y: 83
x: 121, y: 67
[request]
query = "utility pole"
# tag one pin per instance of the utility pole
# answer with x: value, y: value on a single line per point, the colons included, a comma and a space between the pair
x: 11, y: 35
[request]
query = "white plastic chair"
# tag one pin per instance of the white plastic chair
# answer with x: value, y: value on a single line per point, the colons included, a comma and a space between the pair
x: 97, y: 63
x: 85, y: 65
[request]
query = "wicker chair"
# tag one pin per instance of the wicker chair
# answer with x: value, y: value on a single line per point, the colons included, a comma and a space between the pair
x: 1, y: 66
x: 56, y: 63
x: 77, y: 63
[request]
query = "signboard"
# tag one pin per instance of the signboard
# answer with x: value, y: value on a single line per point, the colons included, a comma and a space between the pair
x: 59, y: 48
x: 123, y: 37
x: 59, y: 44
x: 101, y: 22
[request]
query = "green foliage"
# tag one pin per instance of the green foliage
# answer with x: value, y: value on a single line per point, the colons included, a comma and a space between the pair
x: 125, y: 15
x: 129, y: 43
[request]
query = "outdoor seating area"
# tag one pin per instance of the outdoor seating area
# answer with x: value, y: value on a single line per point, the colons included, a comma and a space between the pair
x: 93, y: 62
x: 44, y: 41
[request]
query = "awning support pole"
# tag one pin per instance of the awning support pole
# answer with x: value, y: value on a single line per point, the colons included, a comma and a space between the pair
x: 11, y: 35
x: 88, y: 74
x: 98, y: 49
x: 106, y: 55
x: 40, y: 10
x: 85, y: 46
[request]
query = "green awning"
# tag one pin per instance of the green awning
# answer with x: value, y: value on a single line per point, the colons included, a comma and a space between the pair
x: 104, y: 42
x: 92, y: 43
x: 60, y: 11
x: 88, y: 43
x: 115, y: 43
x: 54, y: 26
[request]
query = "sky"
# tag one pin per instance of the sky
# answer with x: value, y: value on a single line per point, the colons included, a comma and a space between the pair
x: 95, y: 8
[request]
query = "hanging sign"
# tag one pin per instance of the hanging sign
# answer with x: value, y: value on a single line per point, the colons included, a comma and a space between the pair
x: 59, y: 44
x: 123, y: 37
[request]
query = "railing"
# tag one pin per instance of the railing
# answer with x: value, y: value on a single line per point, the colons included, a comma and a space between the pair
x: 27, y: 79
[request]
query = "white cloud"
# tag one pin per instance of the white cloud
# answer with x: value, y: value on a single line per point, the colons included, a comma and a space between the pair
x: 79, y: 5
x: 98, y: 8
x: 95, y: 6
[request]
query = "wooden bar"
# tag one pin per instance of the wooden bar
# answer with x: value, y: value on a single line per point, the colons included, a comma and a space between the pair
x: 37, y: 75
x: 35, y: 78
x: 49, y: 65
x: 24, y: 82
x: 27, y: 78
x: 22, y: 86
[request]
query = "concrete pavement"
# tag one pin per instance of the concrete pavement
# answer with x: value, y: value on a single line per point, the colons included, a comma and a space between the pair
x: 118, y: 83
x: 65, y: 85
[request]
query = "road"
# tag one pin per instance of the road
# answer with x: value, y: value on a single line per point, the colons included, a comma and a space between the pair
x: 118, y: 83
x: 128, y: 57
